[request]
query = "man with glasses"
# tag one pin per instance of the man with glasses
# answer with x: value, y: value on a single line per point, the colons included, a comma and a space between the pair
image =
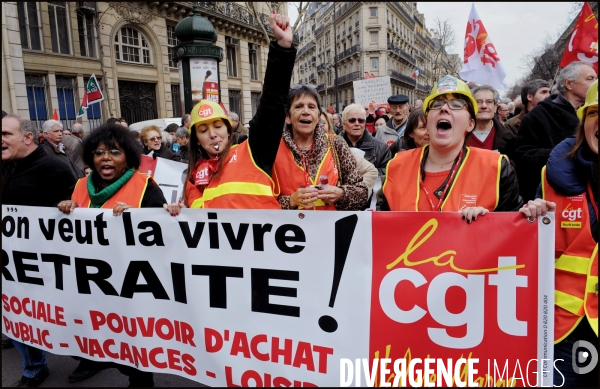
x: 356, y: 135
x: 488, y: 133
x: 549, y: 123
x: 394, y: 128
x: 502, y: 111
x: 53, y: 135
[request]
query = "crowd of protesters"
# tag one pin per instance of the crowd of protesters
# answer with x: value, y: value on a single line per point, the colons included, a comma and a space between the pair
x: 461, y: 139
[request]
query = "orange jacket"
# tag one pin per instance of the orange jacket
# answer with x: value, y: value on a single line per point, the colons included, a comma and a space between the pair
x: 576, y: 263
x: 240, y: 185
x: 477, y: 181
x: 290, y: 176
x: 131, y: 193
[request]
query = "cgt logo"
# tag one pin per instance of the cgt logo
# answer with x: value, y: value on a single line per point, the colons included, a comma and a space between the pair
x: 205, y: 111
x: 572, y: 214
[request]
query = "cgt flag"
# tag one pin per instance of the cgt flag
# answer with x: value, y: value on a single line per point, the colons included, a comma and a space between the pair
x: 583, y: 43
x: 481, y: 64
x: 92, y: 94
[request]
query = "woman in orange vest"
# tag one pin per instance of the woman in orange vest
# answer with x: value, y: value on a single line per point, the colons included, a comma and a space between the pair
x: 114, y: 155
x: 315, y: 170
x: 570, y: 179
x: 446, y: 175
x: 222, y: 175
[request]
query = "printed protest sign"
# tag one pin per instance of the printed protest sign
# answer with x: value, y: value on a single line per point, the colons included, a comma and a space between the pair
x: 376, y: 89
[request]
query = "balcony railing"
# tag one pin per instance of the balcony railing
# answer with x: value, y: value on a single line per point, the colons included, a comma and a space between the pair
x: 303, y: 50
x: 401, y: 77
x: 408, y: 16
x: 320, y: 87
x: 319, y: 30
x: 403, y: 54
x: 354, y: 49
x: 322, y: 66
x: 348, y: 77
x: 312, y: 77
x: 341, y: 10
x: 423, y: 88
x: 236, y: 12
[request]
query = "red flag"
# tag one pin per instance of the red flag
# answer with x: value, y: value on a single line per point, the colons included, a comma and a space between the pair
x: 583, y: 43
x: 55, y: 115
x: 330, y: 109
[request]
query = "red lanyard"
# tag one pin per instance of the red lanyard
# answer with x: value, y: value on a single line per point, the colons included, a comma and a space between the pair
x: 446, y: 187
x: 306, y: 165
x: 592, y: 200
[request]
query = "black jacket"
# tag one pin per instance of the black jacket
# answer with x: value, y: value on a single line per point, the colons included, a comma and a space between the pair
x: 36, y: 180
x: 61, y: 157
x: 164, y: 152
x: 546, y: 125
x: 376, y: 152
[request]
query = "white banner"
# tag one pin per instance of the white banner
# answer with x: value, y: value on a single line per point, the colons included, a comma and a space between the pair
x: 376, y: 89
x: 251, y: 298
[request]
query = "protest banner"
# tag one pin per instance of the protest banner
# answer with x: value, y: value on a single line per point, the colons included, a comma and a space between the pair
x: 269, y: 298
x: 376, y: 89
x: 169, y: 175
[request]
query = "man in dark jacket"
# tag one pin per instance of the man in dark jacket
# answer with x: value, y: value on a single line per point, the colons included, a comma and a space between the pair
x: 489, y: 133
x: 549, y: 123
x: 31, y: 177
x: 355, y: 134
x: 532, y: 93
x: 53, y: 135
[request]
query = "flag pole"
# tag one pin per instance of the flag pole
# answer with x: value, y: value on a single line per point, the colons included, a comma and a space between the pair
x: 555, y: 75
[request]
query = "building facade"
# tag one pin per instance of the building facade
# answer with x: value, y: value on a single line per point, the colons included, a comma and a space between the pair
x: 51, y: 49
x: 344, y: 41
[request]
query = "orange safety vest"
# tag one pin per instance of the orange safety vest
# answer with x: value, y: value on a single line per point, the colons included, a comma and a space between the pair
x: 240, y: 185
x: 477, y: 181
x: 576, y: 263
x: 131, y: 193
x: 290, y: 176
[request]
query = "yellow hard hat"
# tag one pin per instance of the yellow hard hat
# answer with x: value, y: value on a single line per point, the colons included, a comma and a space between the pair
x: 591, y: 98
x: 449, y: 84
x: 207, y: 111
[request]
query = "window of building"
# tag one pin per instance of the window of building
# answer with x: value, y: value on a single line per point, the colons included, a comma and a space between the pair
x: 94, y: 111
x: 327, y: 38
x: 132, y: 46
x: 29, y: 25
x: 37, y: 98
x: 85, y: 26
x: 373, y: 11
x: 59, y: 30
x: 232, y: 51
x: 374, y: 36
x: 172, y: 41
x: 374, y: 63
x: 65, y: 90
x: 176, y: 99
x: 235, y: 102
x: 329, y: 78
x: 254, y: 101
x: 253, y: 59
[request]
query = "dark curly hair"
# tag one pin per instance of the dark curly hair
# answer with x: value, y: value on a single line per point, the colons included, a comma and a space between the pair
x: 113, y: 136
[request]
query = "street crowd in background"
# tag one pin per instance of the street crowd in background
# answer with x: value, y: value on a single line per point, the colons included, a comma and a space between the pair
x: 522, y: 156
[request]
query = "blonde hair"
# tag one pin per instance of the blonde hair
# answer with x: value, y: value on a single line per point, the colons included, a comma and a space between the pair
x: 329, y: 122
x: 146, y: 130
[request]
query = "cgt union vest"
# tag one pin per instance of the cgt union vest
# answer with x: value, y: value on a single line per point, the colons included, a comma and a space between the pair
x: 131, y: 193
x: 290, y: 176
x: 240, y: 185
x: 477, y: 181
x: 576, y: 263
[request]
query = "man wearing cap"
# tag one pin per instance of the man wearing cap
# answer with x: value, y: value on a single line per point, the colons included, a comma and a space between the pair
x: 394, y: 128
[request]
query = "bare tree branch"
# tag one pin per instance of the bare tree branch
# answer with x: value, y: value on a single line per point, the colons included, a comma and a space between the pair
x: 302, y: 9
x: 444, y: 38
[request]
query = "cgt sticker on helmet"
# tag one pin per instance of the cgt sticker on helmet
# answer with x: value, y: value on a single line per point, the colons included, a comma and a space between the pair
x: 205, y: 111
x: 447, y: 83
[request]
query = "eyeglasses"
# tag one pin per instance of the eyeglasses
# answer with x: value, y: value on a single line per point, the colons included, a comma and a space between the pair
x: 486, y: 102
x: 113, y: 152
x: 155, y: 138
x: 353, y: 120
x: 299, y: 86
x: 453, y: 104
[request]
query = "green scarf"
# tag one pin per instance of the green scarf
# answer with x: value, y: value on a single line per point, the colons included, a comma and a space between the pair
x: 98, y: 199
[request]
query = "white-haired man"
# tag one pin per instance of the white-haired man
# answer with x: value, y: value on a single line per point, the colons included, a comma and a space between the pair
x: 74, y: 146
x: 53, y: 136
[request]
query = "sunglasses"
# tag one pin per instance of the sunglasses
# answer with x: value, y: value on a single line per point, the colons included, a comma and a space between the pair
x: 155, y: 138
x: 113, y: 152
x: 300, y: 86
x: 353, y: 120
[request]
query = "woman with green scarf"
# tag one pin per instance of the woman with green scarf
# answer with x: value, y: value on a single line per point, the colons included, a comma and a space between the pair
x: 114, y: 155
x: 115, y: 182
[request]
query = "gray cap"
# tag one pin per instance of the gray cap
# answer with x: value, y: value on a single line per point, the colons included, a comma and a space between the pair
x: 398, y: 99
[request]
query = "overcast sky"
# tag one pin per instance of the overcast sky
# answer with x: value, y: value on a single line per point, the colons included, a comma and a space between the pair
x: 516, y: 29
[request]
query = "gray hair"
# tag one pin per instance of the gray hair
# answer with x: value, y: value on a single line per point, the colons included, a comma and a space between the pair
x: 185, y: 118
x: 182, y: 132
x: 48, y: 124
x: 77, y: 128
x: 571, y: 73
x: 530, y: 88
x: 352, y: 108
x: 234, y: 116
x: 26, y: 127
x: 488, y: 88
x: 167, y: 138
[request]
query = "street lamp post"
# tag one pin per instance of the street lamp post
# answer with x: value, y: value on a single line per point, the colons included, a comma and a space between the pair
x: 337, y: 104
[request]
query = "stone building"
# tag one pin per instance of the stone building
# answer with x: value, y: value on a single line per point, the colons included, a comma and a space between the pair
x: 50, y: 49
x: 380, y: 38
